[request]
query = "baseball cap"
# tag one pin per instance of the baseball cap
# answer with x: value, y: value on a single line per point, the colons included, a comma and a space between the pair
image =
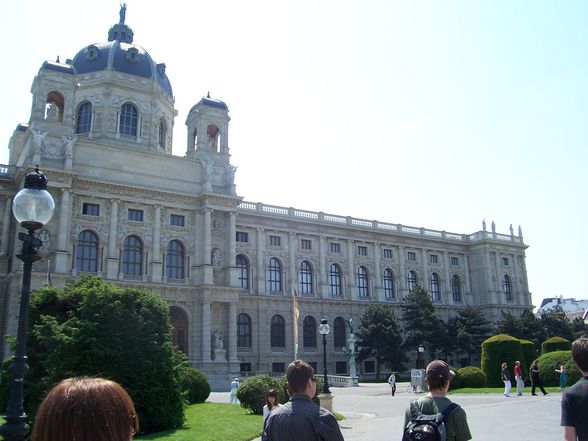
x: 439, y: 369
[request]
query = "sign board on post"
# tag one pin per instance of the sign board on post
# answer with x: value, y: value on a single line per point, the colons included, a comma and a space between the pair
x: 417, y: 378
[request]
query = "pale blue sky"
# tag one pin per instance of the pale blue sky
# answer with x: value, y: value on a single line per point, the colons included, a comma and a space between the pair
x: 435, y: 114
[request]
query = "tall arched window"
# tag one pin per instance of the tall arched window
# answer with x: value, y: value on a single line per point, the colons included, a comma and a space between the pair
x: 274, y: 279
x: 362, y: 282
x: 243, y: 331
x: 339, y: 337
x: 506, y: 286
x: 174, y: 260
x: 179, y: 321
x: 435, y: 287
x: 87, y: 252
x: 305, y: 278
x: 84, y: 118
x: 128, y: 120
x: 411, y: 280
x: 309, y: 332
x: 277, y: 332
x: 388, y: 284
x: 335, y: 280
x: 162, y: 133
x: 456, y: 288
x: 243, y: 271
x: 132, y: 256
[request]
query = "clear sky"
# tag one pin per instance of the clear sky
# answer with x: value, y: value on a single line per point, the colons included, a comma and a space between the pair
x: 433, y: 114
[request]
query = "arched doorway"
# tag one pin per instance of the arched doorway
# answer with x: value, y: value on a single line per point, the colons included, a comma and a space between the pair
x: 179, y: 320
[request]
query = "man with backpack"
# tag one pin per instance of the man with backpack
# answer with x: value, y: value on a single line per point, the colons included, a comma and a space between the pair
x: 434, y: 417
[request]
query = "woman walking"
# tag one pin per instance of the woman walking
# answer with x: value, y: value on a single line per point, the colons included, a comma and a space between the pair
x: 505, y: 374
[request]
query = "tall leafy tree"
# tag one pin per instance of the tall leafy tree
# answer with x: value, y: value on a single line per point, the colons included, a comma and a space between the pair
x: 473, y: 329
x: 381, y: 332
x: 525, y: 326
x: 580, y: 328
x: 556, y: 323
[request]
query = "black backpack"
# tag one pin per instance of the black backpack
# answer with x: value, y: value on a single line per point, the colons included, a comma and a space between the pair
x: 427, y: 427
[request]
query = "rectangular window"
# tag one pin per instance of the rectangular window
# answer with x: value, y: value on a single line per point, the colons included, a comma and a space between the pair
x: 454, y: 261
x: 176, y: 220
x: 335, y: 247
x: 279, y: 368
x: 361, y: 251
x: 242, y: 236
x: 411, y: 256
x: 387, y: 253
x: 505, y: 261
x: 340, y: 367
x: 433, y: 258
x: 91, y: 209
x: 135, y: 215
x: 306, y: 244
x: 245, y: 367
x: 275, y: 241
x: 369, y: 367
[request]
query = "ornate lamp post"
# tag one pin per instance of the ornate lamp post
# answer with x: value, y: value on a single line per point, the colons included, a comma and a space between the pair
x: 32, y: 207
x: 420, y: 361
x: 324, y: 331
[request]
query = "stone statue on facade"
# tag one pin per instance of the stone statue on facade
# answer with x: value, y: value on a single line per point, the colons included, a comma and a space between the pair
x: 217, y: 341
x: 216, y: 257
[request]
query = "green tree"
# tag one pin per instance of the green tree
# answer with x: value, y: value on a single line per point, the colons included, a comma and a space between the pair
x: 422, y: 325
x: 557, y: 324
x: 97, y: 329
x: 380, y: 330
x: 580, y: 328
x: 525, y: 326
x: 473, y: 329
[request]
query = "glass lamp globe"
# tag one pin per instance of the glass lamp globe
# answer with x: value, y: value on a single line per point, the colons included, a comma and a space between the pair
x: 324, y: 327
x: 33, y: 206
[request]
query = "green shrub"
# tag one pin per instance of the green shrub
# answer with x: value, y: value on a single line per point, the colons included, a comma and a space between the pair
x: 548, y: 363
x: 194, y: 385
x: 529, y: 354
x: 456, y: 382
x: 252, y: 392
x: 283, y: 392
x: 472, y: 376
x: 497, y: 350
x: 555, y: 344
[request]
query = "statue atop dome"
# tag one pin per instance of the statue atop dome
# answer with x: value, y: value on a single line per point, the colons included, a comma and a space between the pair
x: 122, y: 13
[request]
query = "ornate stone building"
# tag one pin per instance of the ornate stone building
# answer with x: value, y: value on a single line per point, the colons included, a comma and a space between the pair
x: 133, y: 213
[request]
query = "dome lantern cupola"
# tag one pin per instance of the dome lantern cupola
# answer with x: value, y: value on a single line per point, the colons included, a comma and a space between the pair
x: 120, y: 31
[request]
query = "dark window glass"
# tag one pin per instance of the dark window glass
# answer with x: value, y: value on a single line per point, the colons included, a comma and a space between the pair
x: 454, y: 261
x: 335, y: 247
x: 339, y: 337
x: 411, y: 256
x: 84, y: 119
x: 87, y: 252
x: 279, y: 368
x: 277, y: 332
x: 456, y: 288
x: 243, y: 331
x: 243, y: 267
x: 435, y: 287
x: 362, y: 282
x: 242, y: 236
x: 305, y: 278
x: 340, y: 367
x: 369, y: 367
x: 162, y: 132
x: 275, y: 241
x: 135, y: 215
x: 245, y: 367
x: 411, y: 280
x: 388, y: 283
x: 128, y: 120
x: 387, y: 253
x: 177, y: 220
x: 174, y: 260
x: 433, y: 258
x: 309, y: 332
x: 91, y: 209
x: 274, y: 280
x: 507, y: 288
x: 306, y: 244
x: 132, y: 256
x: 335, y: 284
x: 361, y: 251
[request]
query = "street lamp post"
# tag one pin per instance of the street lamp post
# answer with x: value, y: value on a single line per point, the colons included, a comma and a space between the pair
x: 420, y: 361
x: 324, y: 331
x: 32, y: 207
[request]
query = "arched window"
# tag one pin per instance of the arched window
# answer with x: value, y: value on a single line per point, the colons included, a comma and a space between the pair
x: 128, y: 120
x: 305, y: 278
x: 411, y: 280
x: 243, y: 331
x: 55, y: 106
x: 506, y: 287
x: 87, y: 252
x: 456, y: 288
x: 339, y: 337
x: 362, y: 282
x: 435, y: 287
x: 274, y: 279
x: 335, y: 280
x: 388, y: 284
x: 243, y: 271
x: 277, y: 332
x: 162, y: 133
x: 179, y: 321
x: 309, y: 332
x: 84, y: 118
x: 132, y: 256
x: 174, y: 260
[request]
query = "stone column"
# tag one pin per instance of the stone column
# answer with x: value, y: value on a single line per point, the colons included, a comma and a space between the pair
x: 206, y: 259
x: 156, y: 264
x: 260, y: 260
x: 205, y: 330
x: 467, y: 283
x: 377, y: 283
x: 112, y: 259
x: 525, y: 281
x: 425, y: 279
x: 499, y: 290
x: 322, y: 273
x: 350, y: 270
x: 232, y: 254
x: 232, y: 337
x: 5, y: 226
x: 292, y: 267
x: 62, y: 235
x: 447, y: 283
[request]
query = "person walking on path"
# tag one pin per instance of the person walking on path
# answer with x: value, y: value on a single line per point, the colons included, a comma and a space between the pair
x: 536, y: 379
x: 392, y: 383
x: 234, y: 387
x: 574, y: 402
x: 438, y: 376
x: 563, y: 376
x: 518, y: 372
x: 300, y: 418
x: 505, y: 375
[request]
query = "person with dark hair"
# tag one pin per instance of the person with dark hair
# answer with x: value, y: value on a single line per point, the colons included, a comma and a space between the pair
x: 563, y: 376
x: 574, y: 402
x: 438, y: 376
x: 271, y: 402
x: 536, y: 379
x: 86, y: 409
x: 300, y: 418
x: 505, y: 375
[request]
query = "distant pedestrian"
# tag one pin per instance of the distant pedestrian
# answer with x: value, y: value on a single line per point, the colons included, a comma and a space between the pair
x: 234, y: 387
x: 574, y: 402
x: 272, y: 401
x: 563, y: 376
x: 505, y: 375
x: 392, y: 382
x: 536, y: 379
x: 518, y: 372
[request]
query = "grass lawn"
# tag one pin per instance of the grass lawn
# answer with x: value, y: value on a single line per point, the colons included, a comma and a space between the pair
x: 213, y: 422
x: 500, y: 390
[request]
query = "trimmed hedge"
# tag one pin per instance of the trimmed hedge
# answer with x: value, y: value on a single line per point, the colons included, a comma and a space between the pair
x: 283, y: 392
x: 529, y: 355
x: 555, y: 344
x: 472, y: 376
x: 253, y: 390
x: 497, y: 350
x: 548, y: 363
x: 194, y: 385
x: 456, y: 382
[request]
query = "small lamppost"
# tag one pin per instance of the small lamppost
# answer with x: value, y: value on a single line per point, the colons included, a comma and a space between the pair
x: 420, y: 361
x: 32, y: 207
x: 324, y: 331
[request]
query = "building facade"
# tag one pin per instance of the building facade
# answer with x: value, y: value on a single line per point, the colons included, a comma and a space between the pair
x: 130, y: 211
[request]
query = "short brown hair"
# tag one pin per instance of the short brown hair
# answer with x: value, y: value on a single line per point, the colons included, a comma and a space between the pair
x: 298, y: 373
x: 580, y: 353
x: 85, y: 409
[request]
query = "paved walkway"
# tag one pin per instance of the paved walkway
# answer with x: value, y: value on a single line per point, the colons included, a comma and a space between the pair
x: 372, y: 414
